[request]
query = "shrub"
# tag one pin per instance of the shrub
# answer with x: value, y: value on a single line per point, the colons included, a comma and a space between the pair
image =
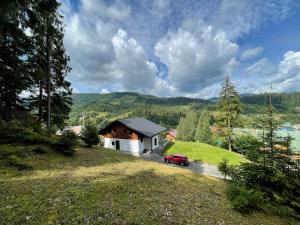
x: 246, y: 145
x: 89, y: 135
x: 243, y: 199
x: 19, y: 132
x: 224, y: 167
x: 15, y: 161
x: 40, y: 149
x: 66, y: 143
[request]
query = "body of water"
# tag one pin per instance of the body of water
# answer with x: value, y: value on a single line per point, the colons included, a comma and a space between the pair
x: 295, y: 134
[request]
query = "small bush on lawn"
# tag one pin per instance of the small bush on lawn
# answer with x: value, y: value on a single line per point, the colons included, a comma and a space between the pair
x: 224, y: 167
x: 89, y: 135
x: 40, y: 149
x: 15, y: 161
x: 66, y: 143
x: 242, y: 198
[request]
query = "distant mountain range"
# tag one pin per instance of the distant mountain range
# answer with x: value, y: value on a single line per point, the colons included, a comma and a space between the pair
x: 167, y: 111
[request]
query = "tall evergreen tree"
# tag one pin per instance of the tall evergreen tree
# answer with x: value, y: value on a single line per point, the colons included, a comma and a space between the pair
x: 229, y: 108
x: 15, y: 45
x: 50, y: 63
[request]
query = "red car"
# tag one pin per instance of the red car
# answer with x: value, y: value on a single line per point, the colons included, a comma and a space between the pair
x: 177, y: 159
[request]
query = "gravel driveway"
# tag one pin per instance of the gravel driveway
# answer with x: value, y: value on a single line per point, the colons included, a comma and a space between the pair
x: 198, y: 167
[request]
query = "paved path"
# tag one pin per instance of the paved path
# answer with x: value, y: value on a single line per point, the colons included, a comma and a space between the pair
x: 197, y: 167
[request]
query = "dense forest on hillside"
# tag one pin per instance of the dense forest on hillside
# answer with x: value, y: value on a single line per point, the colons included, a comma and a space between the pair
x: 102, y: 108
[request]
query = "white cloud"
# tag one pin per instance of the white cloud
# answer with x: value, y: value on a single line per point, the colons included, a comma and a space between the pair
x: 262, y: 67
x: 196, y: 60
x: 287, y: 77
x: 102, y: 54
x: 104, y: 91
x: 251, y: 53
x: 238, y: 18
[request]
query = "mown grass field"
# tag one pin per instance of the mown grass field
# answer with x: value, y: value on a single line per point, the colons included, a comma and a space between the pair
x: 204, y: 152
x: 101, y: 186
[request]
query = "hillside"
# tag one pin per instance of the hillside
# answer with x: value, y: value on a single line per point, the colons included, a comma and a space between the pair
x: 166, y: 111
x: 101, y: 186
x: 204, y: 152
x: 99, y: 107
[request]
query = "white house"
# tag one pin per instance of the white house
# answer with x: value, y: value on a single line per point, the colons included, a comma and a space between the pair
x: 133, y: 135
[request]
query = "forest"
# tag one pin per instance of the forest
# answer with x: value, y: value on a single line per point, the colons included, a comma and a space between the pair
x: 101, y: 108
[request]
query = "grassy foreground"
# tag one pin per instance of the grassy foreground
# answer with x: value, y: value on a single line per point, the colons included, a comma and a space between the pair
x: 204, y: 152
x: 101, y: 186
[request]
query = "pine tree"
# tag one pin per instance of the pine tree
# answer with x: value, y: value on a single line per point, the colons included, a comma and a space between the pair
x: 15, y: 18
x: 229, y: 108
x: 50, y: 64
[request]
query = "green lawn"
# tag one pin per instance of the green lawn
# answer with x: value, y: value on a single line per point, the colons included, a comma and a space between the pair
x: 204, y: 152
x: 101, y: 186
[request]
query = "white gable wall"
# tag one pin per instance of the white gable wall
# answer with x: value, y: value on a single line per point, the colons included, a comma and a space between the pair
x: 134, y: 147
x: 153, y: 142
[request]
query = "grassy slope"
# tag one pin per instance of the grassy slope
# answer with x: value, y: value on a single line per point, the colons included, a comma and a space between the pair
x: 204, y: 152
x: 106, y: 187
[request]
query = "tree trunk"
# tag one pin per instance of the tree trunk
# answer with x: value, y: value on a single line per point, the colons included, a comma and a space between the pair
x: 40, y: 101
x: 48, y: 77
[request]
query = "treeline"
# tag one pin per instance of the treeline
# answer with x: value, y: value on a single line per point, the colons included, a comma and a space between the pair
x: 33, y: 62
x: 196, y: 127
x: 282, y: 102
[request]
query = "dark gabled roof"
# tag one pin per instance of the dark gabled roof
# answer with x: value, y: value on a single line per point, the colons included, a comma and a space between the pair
x: 141, y: 125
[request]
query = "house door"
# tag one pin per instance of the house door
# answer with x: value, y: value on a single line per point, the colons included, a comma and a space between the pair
x: 118, y: 145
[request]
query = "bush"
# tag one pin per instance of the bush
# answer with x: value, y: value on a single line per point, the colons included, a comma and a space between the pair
x: 89, y: 135
x: 19, y: 132
x: 243, y: 199
x: 15, y: 161
x: 40, y: 149
x: 224, y: 167
x: 66, y: 143
x: 246, y: 145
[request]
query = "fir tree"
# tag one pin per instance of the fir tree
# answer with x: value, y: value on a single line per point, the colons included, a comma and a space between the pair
x: 15, y: 18
x: 50, y: 65
x: 229, y: 108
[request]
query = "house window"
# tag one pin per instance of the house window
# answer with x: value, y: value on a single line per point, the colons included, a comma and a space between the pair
x: 142, y: 139
x: 130, y: 132
x: 155, y: 141
x: 113, y: 143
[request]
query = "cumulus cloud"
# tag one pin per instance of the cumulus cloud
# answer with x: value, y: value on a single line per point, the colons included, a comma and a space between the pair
x: 238, y: 18
x: 262, y: 67
x: 113, y: 44
x: 196, y: 60
x: 251, y: 53
x: 287, y: 77
x: 102, y: 54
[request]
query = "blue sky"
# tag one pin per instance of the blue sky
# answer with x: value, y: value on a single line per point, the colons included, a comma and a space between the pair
x: 183, y: 47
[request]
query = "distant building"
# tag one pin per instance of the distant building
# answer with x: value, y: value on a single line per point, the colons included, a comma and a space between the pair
x: 296, y: 126
x: 75, y: 129
x: 171, y: 135
x: 133, y: 135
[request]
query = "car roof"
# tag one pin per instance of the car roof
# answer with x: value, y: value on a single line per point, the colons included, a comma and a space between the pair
x: 179, y: 155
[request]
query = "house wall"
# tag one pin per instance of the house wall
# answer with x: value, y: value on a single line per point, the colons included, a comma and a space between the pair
x: 153, y: 142
x: 134, y: 147
x: 169, y: 137
x: 122, y: 132
x: 147, y: 143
